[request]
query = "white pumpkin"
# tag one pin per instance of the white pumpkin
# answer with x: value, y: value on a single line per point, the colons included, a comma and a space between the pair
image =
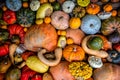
x: 104, y: 15
x: 34, y: 5
x: 68, y: 6
x: 95, y: 62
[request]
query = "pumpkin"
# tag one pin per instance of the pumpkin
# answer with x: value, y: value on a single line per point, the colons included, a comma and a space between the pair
x: 79, y: 11
x: 14, y: 5
x: 76, y: 35
x: 69, y: 41
x: 104, y: 15
x: 4, y: 50
x: 95, y: 62
x: 43, y: 1
x: 61, y: 72
x: 47, y: 20
x: 74, y: 22
x: 83, y: 3
x: 110, y: 25
x: 41, y: 36
x: 25, y: 17
x: 80, y: 70
x: 25, y: 4
x: 34, y: 5
x: 9, y: 17
x: 114, y: 37
x: 60, y: 20
x: 114, y: 12
x: 73, y: 53
x: 90, y: 24
x: 108, y: 7
x: 68, y: 6
x: 114, y: 56
x: 107, y: 72
x: 93, y: 8
x: 16, y: 30
x: 4, y: 34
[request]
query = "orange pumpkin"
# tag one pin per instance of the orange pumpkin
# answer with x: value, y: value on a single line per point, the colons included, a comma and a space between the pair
x: 108, y: 7
x: 93, y: 8
x: 43, y: 1
x: 114, y: 12
x: 73, y: 53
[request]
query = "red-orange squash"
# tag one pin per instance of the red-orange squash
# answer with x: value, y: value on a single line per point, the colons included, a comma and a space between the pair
x: 41, y: 36
x: 73, y: 53
x: 76, y: 34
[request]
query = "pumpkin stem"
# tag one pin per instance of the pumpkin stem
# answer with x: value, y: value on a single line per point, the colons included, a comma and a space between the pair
x: 75, y: 49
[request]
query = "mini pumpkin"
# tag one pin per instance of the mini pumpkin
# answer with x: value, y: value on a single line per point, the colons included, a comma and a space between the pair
x: 25, y: 17
x: 4, y: 50
x: 108, y: 7
x: 9, y: 17
x: 104, y: 15
x: 80, y: 70
x: 95, y: 62
x: 73, y: 53
x: 74, y: 22
x: 68, y: 6
x: 34, y: 5
x: 110, y: 25
x: 14, y: 5
x: 114, y: 56
x: 93, y: 8
x: 60, y: 20
x: 79, y: 11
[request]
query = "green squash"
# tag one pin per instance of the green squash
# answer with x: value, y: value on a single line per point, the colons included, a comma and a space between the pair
x: 4, y: 34
x: 25, y: 17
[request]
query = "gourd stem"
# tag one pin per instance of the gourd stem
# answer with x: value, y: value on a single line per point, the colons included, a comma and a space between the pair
x: 75, y: 49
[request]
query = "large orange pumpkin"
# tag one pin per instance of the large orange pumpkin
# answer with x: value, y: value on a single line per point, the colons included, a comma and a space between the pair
x: 73, y: 53
x: 41, y: 36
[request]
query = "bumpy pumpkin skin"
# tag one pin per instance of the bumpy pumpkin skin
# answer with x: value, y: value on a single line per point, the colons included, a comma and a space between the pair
x: 107, y: 72
x: 41, y: 36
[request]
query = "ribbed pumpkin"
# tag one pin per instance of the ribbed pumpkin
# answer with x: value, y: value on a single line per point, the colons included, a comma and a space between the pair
x: 93, y: 8
x: 79, y: 11
x: 41, y: 36
x: 73, y: 53
x: 25, y: 17
x: 110, y: 25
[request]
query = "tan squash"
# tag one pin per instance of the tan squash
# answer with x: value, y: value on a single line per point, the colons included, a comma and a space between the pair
x: 41, y: 36
x: 99, y: 53
x: 108, y: 71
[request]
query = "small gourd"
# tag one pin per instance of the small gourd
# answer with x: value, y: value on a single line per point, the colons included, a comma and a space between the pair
x: 61, y: 41
x: 34, y: 5
x: 108, y: 7
x: 95, y: 62
x: 14, y: 5
x: 68, y: 6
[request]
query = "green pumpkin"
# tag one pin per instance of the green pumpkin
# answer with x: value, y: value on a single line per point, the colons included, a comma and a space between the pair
x: 110, y: 25
x: 4, y: 34
x: 25, y: 17
x: 79, y: 11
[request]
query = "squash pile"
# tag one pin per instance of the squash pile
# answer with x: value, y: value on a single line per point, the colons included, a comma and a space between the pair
x: 59, y: 39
